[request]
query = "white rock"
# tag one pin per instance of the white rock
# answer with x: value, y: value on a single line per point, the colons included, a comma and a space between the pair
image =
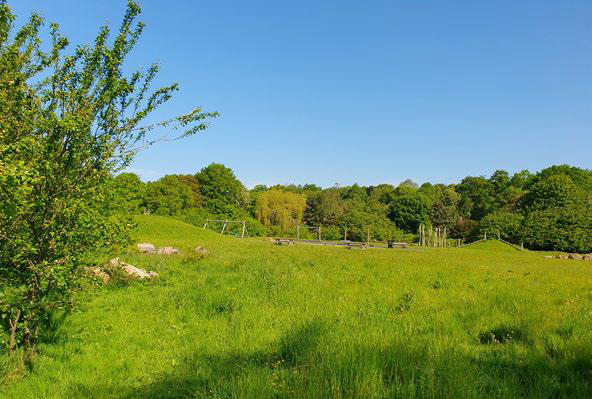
x: 168, y: 251
x: 146, y: 247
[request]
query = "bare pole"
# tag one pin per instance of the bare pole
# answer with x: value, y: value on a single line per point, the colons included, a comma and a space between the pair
x: 244, y: 229
x: 298, y: 232
x: 206, y: 225
x: 319, y: 233
x: 345, y: 234
x: 224, y: 227
x: 368, y: 239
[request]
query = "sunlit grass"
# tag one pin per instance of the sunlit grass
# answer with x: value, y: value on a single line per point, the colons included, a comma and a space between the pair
x: 262, y: 321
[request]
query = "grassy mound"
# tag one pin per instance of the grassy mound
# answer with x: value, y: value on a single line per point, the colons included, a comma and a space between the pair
x: 492, y: 245
x: 255, y: 320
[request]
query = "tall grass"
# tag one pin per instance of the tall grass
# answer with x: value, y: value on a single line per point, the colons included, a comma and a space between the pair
x: 254, y: 320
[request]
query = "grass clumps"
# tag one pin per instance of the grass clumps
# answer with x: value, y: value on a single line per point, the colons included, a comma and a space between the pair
x: 252, y: 320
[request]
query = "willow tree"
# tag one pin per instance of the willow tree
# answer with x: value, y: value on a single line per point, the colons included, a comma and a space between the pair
x: 280, y: 208
x: 69, y: 121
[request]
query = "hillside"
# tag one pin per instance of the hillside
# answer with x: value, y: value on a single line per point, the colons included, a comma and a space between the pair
x: 263, y: 321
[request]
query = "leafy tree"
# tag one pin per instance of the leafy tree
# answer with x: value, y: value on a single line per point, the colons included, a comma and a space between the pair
x: 556, y: 190
x: 191, y: 182
x: 168, y: 196
x: 324, y: 208
x: 561, y: 229
x: 507, y: 224
x: 478, y: 196
x: 382, y: 193
x: 444, y: 209
x: 409, y: 211
x: 280, y: 208
x: 222, y: 192
x: 126, y: 193
x: 68, y: 123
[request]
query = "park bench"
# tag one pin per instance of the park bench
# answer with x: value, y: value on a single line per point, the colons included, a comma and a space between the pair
x: 392, y: 244
x: 358, y: 245
x: 284, y: 241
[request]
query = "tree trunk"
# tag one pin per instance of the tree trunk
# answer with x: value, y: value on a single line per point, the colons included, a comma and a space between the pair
x: 13, y: 326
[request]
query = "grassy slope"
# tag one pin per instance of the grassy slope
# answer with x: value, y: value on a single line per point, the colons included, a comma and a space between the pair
x: 257, y: 320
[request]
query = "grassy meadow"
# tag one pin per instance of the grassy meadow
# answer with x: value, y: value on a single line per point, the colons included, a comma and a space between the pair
x: 255, y: 320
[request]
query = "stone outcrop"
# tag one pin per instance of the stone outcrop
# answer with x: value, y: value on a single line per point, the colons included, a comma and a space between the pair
x: 131, y: 270
x: 587, y: 257
x: 167, y: 251
x: 146, y: 248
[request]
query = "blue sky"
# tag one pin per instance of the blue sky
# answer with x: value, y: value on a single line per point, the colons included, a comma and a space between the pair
x: 368, y: 91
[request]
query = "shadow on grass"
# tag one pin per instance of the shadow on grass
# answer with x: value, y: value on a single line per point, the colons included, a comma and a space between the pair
x: 299, y: 367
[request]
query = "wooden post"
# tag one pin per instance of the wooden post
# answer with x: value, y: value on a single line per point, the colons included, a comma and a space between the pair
x: 486, y: 235
x: 345, y: 234
x: 368, y: 239
x: 298, y: 232
x: 522, y: 246
x: 431, y: 244
x: 224, y: 227
x: 420, y: 235
x: 244, y: 228
x: 319, y: 233
x: 445, y: 238
x: 499, y: 235
x: 206, y: 225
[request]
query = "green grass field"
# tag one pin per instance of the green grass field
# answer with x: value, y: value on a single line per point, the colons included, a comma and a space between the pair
x: 254, y: 320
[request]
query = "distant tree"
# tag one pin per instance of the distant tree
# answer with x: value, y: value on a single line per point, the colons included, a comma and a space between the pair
x: 560, y: 229
x: 552, y: 191
x: 126, y: 193
x: 409, y: 211
x: 409, y: 183
x: 507, y: 224
x: 444, y: 212
x: 479, y: 193
x: 191, y: 182
x: 325, y: 207
x: 382, y: 193
x: 283, y: 209
x: 68, y: 123
x: 168, y: 196
x: 222, y: 192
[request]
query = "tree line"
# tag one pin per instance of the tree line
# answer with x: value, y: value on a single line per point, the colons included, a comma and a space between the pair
x: 548, y: 210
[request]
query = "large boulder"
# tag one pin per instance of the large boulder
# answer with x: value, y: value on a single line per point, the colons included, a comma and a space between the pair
x: 587, y: 257
x: 146, y: 247
x: 131, y: 270
x: 562, y: 257
x: 575, y: 256
x: 168, y: 251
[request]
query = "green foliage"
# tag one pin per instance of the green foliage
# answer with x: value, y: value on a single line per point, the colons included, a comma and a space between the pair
x: 222, y: 192
x: 507, y: 224
x: 68, y: 123
x: 280, y: 208
x: 126, y: 192
x: 168, y: 196
x: 409, y: 210
x: 562, y: 229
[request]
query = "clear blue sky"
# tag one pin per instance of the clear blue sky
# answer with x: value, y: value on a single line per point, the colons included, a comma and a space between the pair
x: 342, y: 91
